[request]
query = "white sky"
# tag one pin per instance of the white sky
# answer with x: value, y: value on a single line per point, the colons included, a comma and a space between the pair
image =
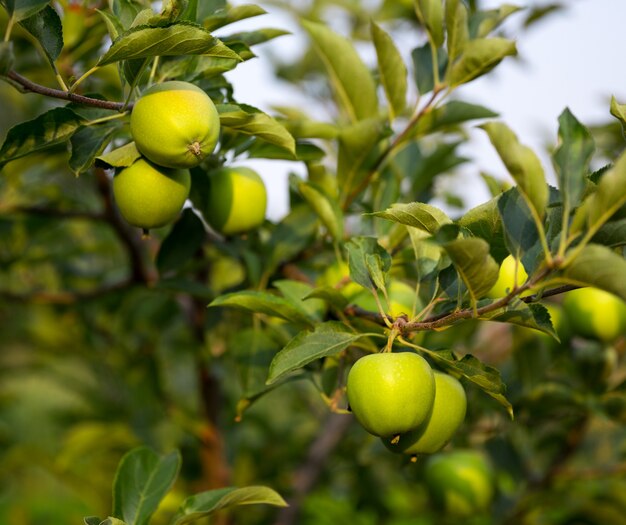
x: 573, y: 58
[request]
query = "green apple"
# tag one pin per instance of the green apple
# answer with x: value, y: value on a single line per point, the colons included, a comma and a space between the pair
x: 460, y: 482
x: 391, y: 393
x: 595, y: 313
x: 175, y: 124
x: 236, y: 201
x: 447, y: 415
x: 337, y: 275
x: 150, y: 196
x: 507, y: 278
x: 402, y: 300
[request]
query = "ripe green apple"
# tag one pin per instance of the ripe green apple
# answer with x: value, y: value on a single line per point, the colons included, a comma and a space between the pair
x: 389, y: 393
x: 447, y: 415
x: 150, y: 196
x: 460, y: 482
x: 236, y: 200
x: 402, y: 300
x: 175, y: 124
x: 338, y: 274
x: 595, y: 313
x: 507, y: 279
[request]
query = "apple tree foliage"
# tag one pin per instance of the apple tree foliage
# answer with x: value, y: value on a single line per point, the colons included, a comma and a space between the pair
x: 235, y: 350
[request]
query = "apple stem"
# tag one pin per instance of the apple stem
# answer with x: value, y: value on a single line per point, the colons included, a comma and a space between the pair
x: 195, y: 148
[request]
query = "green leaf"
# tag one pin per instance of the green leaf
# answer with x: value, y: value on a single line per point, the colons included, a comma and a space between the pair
x: 299, y: 293
x: 619, y: 112
x: 522, y: 163
x: 251, y: 121
x: 416, y: 214
x: 326, y: 208
x: 485, y: 377
x: 230, y: 15
x: 180, y: 38
x: 520, y: 230
x: 112, y: 521
x: 141, y: 481
x: 351, y: 80
x: 479, y: 57
x: 598, y: 266
x: 195, y: 67
x: 430, y: 14
x: 484, y: 22
x: 392, y: 70
x: 87, y: 143
x: 360, y: 250
x: 475, y: 266
x: 609, y: 196
x: 53, y: 127
x: 423, y: 67
x: 113, y: 24
x: 206, y: 503
x: 332, y: 296
x: 7, y: 58
x: 612, y: 234
x: 456, y: 25
x: 258, y: 36
x: 91, y: 520
x: 46, y: 27
x: 121, y: 157
x: 484, y: 221
x: 181, y: 243
x: 328, y: 338
x: 572, y: 159
x: 265, y: 303
x: 534, y: 316
x: 21, y: 9
x: 450, y: 114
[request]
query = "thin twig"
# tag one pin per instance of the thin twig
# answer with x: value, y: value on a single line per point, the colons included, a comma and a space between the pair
x: 33, y: 87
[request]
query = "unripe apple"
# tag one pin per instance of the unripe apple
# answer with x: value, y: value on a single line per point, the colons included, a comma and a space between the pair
x: 237, y: 200
x: 391, y: 393
x: 402, y: 300
x: 445, y: 418
x: 175, y: 124
x: 507, y: 279
x: 150, y: 196
x: 595, y: 313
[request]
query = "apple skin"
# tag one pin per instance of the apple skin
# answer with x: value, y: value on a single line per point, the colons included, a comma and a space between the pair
x: 338, y: 274
x: 506, y: 279
x: 595, y: 314
x: 175, y: 124
x: 150, y: 196
x: 461, y: 482
x: 444, y: 420
x: 391, y: 393
x: 237, y: 200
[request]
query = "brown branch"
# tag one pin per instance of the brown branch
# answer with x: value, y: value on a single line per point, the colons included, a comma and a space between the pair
x: 307, y: 475
x: 29, y: 85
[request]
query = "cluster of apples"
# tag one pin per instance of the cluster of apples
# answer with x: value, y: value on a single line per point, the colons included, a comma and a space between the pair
x: 399, y: 397
x: 175, y: 126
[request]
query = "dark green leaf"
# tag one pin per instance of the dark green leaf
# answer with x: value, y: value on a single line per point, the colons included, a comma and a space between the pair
x: 258, y: 36
x: 534, y: 316
x: 416, y: 214
x: 392, y: 70
x: 121, y: 157
x: 229, y: 15
x: 612, y: 234
x: 484, y: 221
x: 87, y: 143
x: 299, y: 293
x: 600, y: 267
x: 206, y: 503
x: 113, y: 24
x: 53, y: 127
x: 328, y: 338
x: 474, y: 264
x: 520, y: 229
x: 182, y: 242
x: 91, y: 520
x: 45, y: 26
x: 181, y: 38
x: 330, y: 295
x: 291, y: 235
x: 7, y: 58
x: 359, y: 249
x: 21, y: 9
x: 423, y: 67
x: 142, y: 479
x: 522, y: 163
x: 572, y: 158
x: 430, y: 14
x: 265, y: 303
x: 479, y: 57
x: 326, y: 208
x: 251, y: 121
x: 352, y: 82
x: 450, y: 114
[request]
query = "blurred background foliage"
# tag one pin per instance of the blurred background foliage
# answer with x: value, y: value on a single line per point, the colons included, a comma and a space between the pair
x: 95, y: 362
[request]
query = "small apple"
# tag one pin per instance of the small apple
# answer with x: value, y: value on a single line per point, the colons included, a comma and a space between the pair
x: 175, y: 124
x: 402, y: 300
x: 595, y: 313
x: 150, y: 196
x: 460, y: 482
x: 507, y: 278
x: 237, y: 200
x: 391, y: 393
x: 447, y: 415
x: 337, y: 275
